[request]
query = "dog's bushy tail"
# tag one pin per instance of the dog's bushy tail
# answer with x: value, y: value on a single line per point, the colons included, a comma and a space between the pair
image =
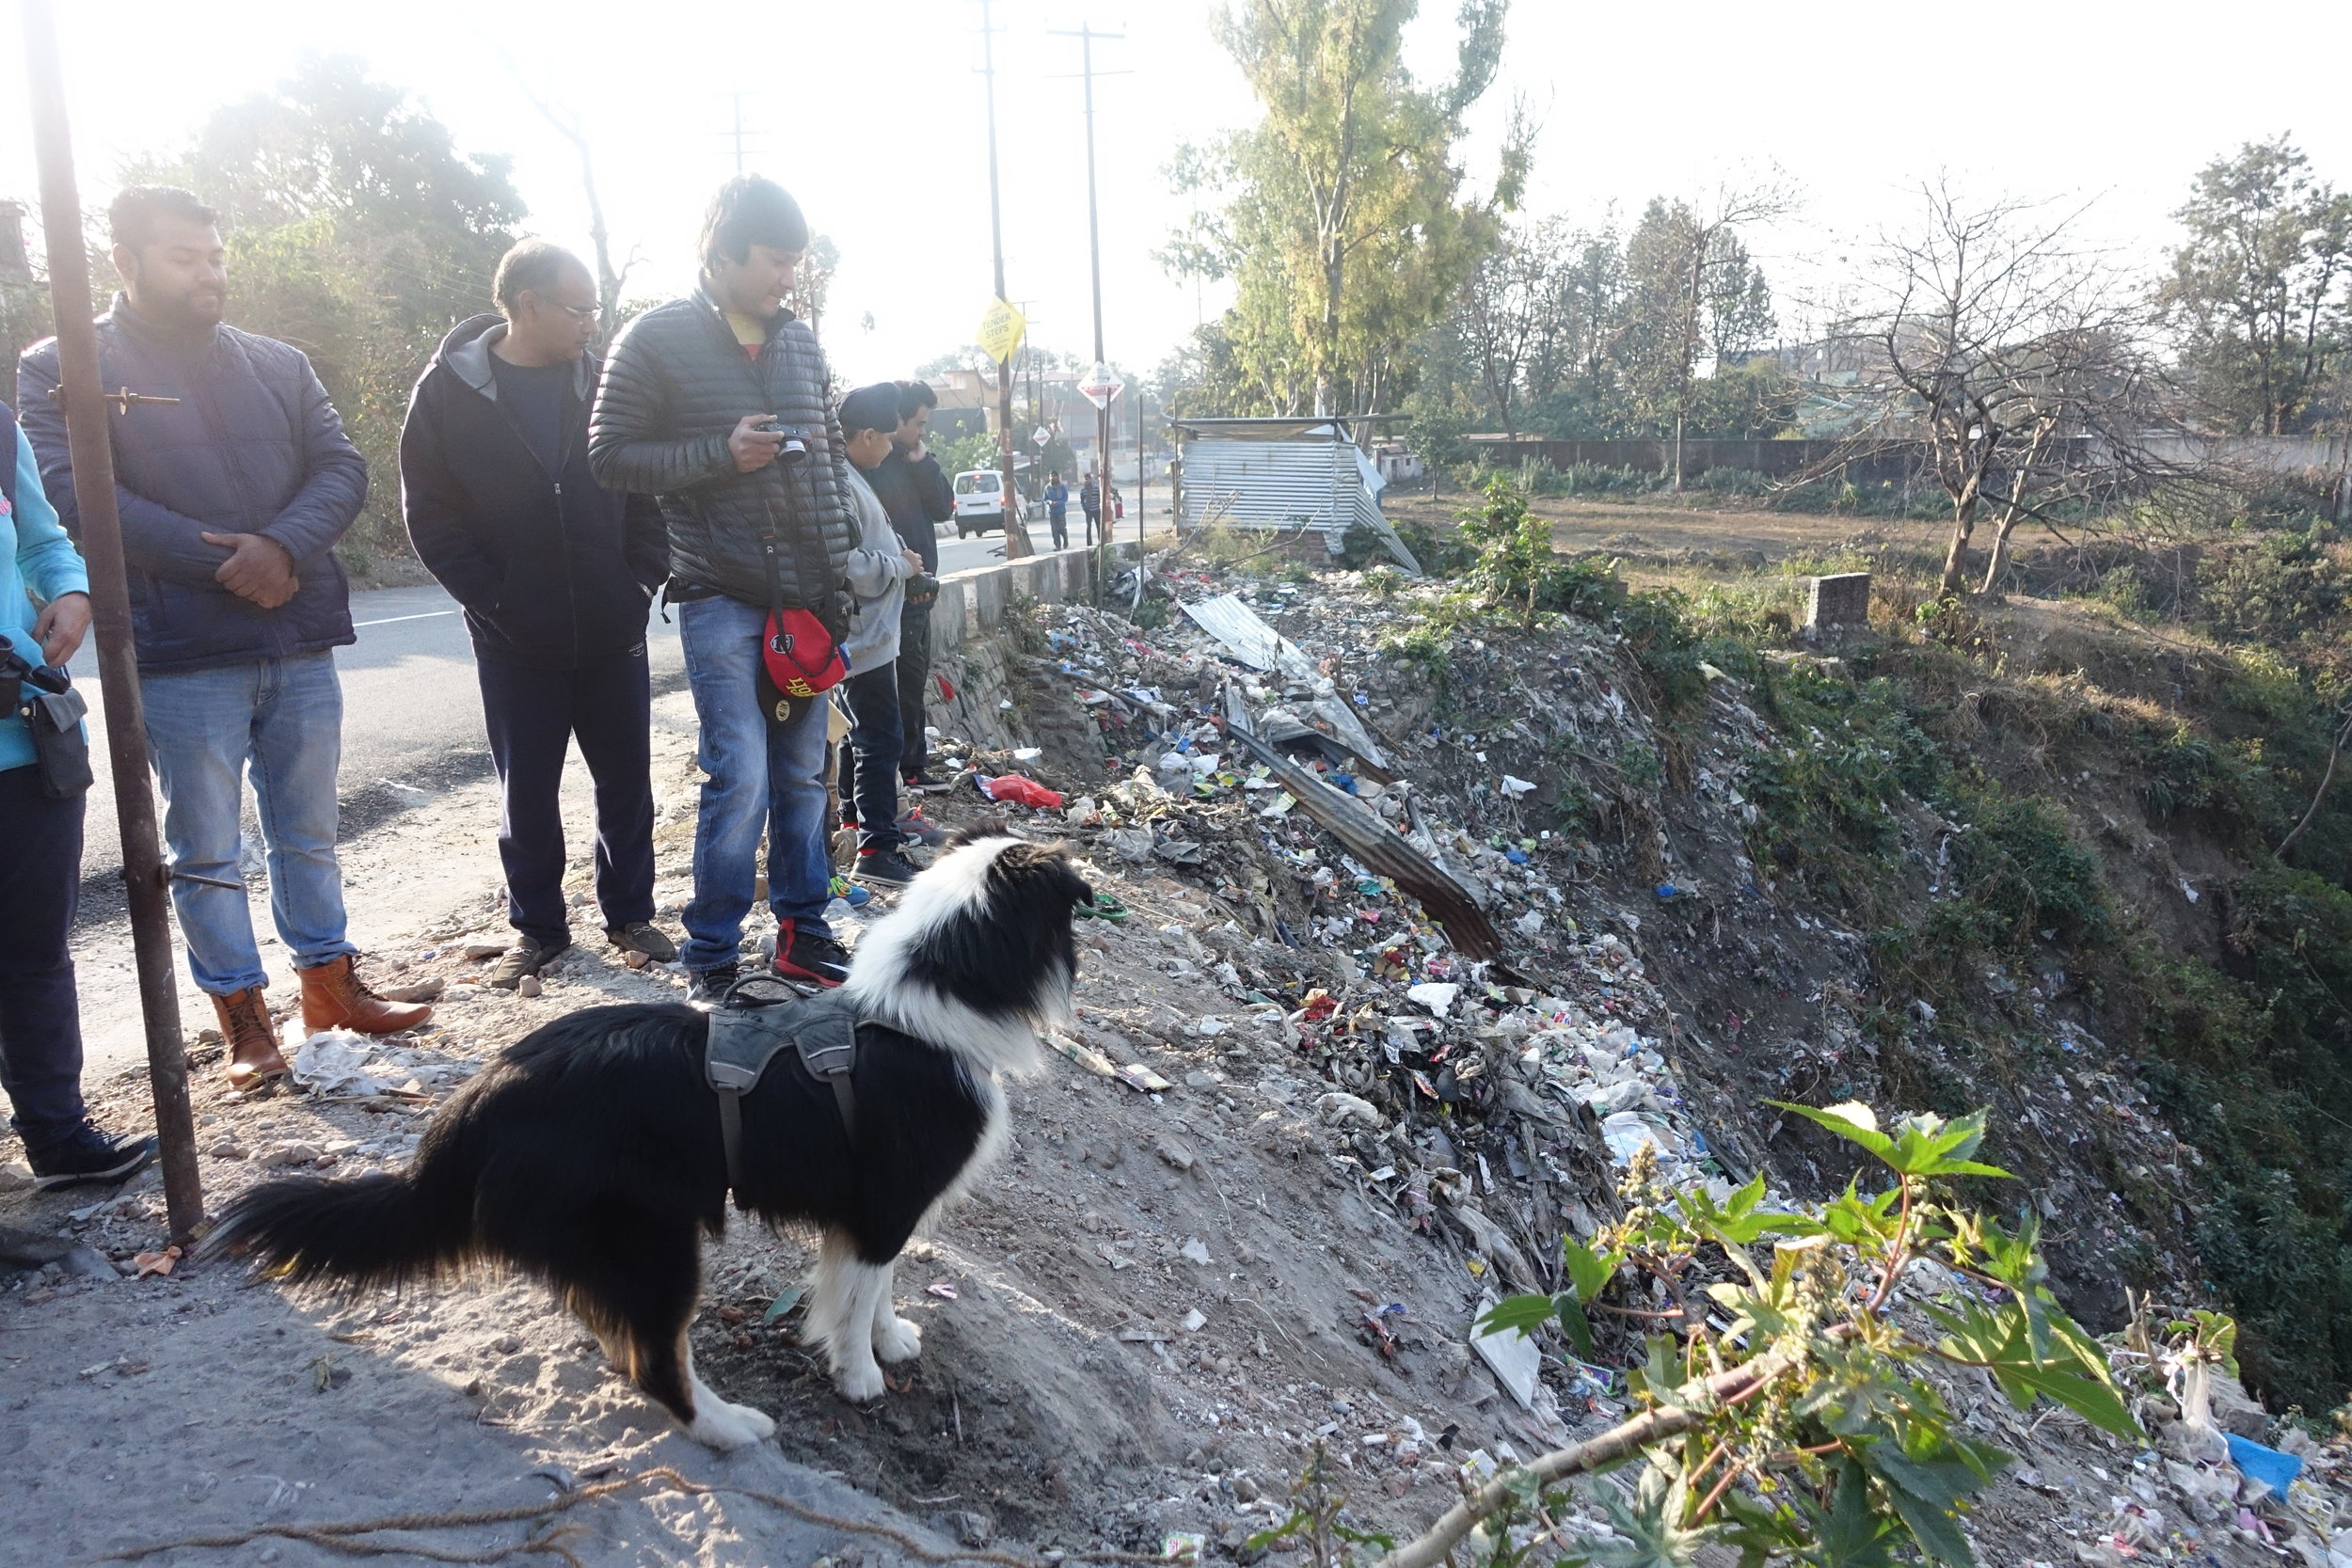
x: 375, y: 1230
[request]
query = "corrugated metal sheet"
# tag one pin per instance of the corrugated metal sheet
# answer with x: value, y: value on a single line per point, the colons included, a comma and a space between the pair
x: 1301, y: 483
x: 1305, y: 482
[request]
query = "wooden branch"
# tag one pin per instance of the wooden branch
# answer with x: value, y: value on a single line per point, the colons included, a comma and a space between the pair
x: 1697, y: 1401
x: 2334, y: 753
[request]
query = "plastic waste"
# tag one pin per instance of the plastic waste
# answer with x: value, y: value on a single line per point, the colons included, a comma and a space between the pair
x: 1015, y: 790
x: 2274, y: 1469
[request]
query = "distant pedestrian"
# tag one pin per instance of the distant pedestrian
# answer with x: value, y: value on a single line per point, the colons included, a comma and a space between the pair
x: 44, y: 612
x: 1090, y: 503
x: 555, y: 572
x: 879, y: 570
x: 233, y: 499
x: 1057, y: 510
x: 917, y: 494
x: 717, y: 403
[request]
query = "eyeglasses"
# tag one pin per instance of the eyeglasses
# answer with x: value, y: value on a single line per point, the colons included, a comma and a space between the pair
x: 580, y: 312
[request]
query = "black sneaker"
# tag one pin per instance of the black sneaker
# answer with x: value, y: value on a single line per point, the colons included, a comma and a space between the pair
x: 643, y: 935
x: 803, y: 955
x: 527, y: 957
x: 711, y: 984
x: 87, y: 1156
x: 882, y: 868
x: 925, y: 781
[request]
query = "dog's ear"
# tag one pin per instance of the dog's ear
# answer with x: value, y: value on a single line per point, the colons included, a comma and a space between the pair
x: 973, y: 832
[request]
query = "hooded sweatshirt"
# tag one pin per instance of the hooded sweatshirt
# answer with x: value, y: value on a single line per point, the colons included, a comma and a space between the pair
x: 554, y: 570
x: 878, y: 573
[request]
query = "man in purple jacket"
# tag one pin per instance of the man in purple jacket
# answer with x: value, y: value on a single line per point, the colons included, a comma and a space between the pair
x: 232, y: 497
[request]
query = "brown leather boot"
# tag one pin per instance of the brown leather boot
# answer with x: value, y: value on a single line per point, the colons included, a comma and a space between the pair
x: 244, y: 1024
x: 334, y: 997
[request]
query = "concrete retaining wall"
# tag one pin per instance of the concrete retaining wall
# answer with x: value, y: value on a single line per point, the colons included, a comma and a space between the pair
x: 988, y: 671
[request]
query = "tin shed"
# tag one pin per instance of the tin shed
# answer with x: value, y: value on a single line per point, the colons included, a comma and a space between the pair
x: 1280, y: 474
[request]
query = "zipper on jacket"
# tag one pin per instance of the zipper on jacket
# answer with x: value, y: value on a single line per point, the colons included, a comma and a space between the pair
x: 555, y: 483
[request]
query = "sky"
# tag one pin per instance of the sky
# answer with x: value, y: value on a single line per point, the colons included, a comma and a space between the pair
x: 873, y: 115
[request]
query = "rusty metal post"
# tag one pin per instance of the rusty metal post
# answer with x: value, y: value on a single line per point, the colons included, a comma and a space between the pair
x: 86, y: 410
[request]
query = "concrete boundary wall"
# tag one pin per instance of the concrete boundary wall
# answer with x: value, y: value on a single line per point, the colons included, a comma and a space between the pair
x: 996, y: 697
x: 972, y: 602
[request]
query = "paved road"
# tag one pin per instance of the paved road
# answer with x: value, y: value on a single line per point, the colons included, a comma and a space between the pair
x: 412, y: 714
x: 412, y: 721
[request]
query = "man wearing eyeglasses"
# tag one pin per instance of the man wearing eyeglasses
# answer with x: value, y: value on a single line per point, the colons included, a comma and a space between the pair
x: 555, y: 574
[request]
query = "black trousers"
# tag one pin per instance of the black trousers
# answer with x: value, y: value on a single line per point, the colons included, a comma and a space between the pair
x: 1060, y: 523
x: 40, y: 1020
x: 534, y: 716
x: 915, y: 679
x: 869, y: 757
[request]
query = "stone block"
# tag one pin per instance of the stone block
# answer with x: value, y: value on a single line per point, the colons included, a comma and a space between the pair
x: 1840, y: 600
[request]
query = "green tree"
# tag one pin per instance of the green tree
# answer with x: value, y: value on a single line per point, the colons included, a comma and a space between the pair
x: 1691, y: 293
x: 2258, y: 289
x: 1340, y: 215
x: 358, y: 232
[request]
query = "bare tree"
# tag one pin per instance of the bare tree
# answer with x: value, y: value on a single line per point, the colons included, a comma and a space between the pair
x: 1509, y: 311
x: 1709, y: 245
x: 2021, y: 364
x: 609, y: 279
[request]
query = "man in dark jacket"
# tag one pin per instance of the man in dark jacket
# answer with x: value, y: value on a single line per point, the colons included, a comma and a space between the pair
x: 555, y: 572
x: 915, y: 492
x: 231, y: 500
x: 717, y: 403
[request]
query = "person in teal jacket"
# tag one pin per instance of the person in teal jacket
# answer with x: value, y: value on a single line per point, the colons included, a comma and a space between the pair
x: 44, y: 612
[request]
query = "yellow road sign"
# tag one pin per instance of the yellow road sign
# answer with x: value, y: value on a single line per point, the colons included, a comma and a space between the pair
x: 1001, y: 329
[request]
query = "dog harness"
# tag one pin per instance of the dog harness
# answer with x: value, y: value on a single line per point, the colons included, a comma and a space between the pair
x: 747, y: 1032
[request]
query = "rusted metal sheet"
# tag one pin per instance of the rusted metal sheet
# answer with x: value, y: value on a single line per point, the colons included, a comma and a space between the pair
x: 1362, y: 833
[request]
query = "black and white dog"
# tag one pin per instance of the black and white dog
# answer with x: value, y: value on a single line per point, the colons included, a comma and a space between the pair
x: 589, y: 1154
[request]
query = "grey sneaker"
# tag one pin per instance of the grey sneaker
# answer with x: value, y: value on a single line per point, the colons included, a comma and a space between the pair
x: 528, y: 956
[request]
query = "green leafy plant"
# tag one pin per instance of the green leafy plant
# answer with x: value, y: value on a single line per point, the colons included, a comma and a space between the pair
x: 1788, y: 1407
x: 1514, y: 545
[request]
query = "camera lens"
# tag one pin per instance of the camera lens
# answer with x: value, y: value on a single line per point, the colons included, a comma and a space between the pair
x: 793, y: 451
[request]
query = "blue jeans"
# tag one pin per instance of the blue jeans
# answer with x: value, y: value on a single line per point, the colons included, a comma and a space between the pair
x: 756, y: 774
x: 282, y: 720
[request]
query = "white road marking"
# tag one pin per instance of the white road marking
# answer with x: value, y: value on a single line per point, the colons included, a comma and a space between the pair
x: 389, y: 619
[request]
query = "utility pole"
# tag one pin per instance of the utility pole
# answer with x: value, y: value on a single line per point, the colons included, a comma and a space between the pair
x: 1086, y: 34
x: 1016, y: 526
x: 736, y: 100
x: 84, y: 399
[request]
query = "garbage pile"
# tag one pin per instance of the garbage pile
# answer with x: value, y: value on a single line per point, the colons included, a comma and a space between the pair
x: 1303, y: 782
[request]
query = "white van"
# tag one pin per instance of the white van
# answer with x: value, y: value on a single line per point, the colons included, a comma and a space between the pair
x: 980, y: 502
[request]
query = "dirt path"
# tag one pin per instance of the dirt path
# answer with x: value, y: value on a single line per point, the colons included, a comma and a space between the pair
x: 1744, y: 536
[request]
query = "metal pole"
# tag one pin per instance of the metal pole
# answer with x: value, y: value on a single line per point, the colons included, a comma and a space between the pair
x: 1142, y: 510
x: 1094, y: 251
x: 82, y: 395
x: 1016, y: 527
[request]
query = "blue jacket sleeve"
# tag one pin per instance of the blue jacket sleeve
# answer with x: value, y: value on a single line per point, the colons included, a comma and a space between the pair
x: 337, y: 486
x: 45, y: 558
x: 155, y: 539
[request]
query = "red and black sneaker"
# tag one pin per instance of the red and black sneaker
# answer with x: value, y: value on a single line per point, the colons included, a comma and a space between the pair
x: 803, y: 955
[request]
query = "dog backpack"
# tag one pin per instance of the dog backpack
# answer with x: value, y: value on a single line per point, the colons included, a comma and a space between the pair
x: 745, y: 1035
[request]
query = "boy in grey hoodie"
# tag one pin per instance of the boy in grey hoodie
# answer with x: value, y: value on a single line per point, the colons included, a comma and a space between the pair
x: 879, y: 570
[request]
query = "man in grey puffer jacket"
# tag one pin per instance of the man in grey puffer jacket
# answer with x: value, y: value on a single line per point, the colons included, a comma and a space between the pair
x: 717, y: 404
